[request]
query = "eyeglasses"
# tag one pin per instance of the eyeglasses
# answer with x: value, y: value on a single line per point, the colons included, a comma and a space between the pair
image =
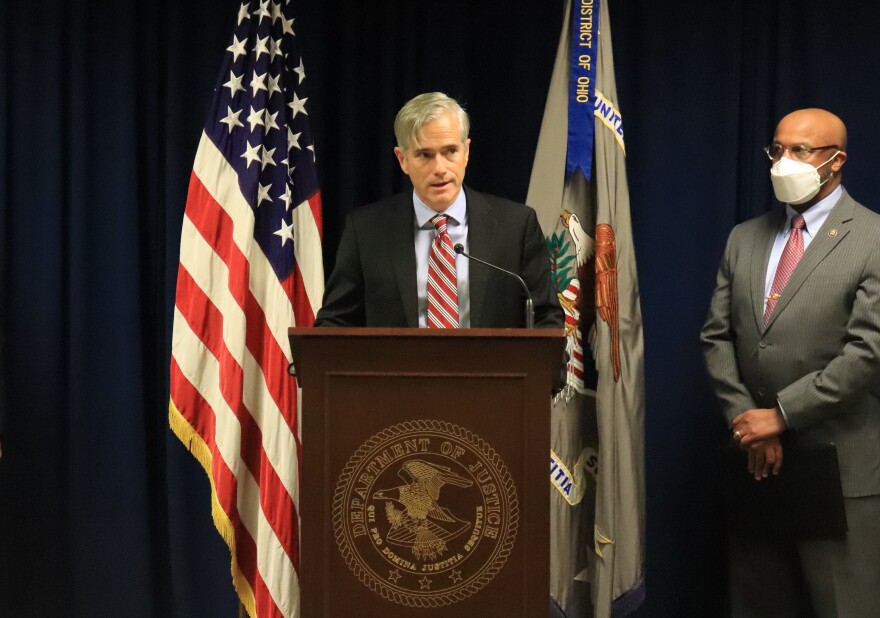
x: 798, y: 151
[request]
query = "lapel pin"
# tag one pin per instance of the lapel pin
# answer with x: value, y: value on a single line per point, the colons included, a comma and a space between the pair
x: 832, y: 233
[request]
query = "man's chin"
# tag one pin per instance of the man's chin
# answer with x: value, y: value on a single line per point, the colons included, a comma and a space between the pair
x: 439, y: 199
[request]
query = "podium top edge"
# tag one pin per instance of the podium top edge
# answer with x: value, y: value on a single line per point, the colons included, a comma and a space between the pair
x: 428, y: 333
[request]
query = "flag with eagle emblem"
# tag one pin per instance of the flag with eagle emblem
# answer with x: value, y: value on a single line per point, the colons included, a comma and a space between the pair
x: 597, y: 423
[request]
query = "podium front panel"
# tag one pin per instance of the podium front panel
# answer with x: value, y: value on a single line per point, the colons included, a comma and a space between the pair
x: 424, y: 488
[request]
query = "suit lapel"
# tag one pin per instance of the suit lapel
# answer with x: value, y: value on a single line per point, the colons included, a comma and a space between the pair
x: 760, y: 256
x: 481, y: 244
x: 401, y: 237
x: 836, y: 226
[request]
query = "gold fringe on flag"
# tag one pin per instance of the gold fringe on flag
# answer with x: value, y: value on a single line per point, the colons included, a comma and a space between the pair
x: 194, y: 443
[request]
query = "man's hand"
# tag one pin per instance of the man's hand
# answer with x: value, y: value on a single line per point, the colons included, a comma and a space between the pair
x: 764, y: 457
x: 756, y: 425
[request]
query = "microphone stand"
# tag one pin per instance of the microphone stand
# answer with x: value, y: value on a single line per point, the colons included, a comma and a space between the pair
x: 530, y: 306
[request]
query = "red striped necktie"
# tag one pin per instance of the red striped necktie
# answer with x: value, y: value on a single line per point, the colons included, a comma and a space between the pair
x: 442, y: 282
x: 791, y: 255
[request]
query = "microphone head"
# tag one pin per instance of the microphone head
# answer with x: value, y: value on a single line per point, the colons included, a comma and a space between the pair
x: 458, y: 248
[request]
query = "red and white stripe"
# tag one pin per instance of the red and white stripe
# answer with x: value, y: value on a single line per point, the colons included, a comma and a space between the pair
x: 442, y: 280
x: 232, y: 399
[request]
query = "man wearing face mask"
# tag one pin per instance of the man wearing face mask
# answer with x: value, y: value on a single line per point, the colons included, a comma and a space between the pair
x: 792, y: 347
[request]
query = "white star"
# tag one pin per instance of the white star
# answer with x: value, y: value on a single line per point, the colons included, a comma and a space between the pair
x: 286, y: 197
x: 255, y: 118
x: 274, y: 49
x: 258, y: 82
x: 273, y: 84
x: 263, y: 11
x: 267, y: 158
x: 293, y: 139
x: 297, y: 106
x: 286, y: 232
x: 238, y: 48
x: 251, y: 154
x: 301, y: 71
x: 276, y: 11
x: 234, y: 83
x: 243, y: 13
x: 263, y: 194
x: 270, y: 121
x: 231, y: 119
x: 262, y: 47
x: 287, y: 26
x: 312, y: 148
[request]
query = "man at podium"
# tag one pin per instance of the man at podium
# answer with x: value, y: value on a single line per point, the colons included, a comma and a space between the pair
x: 433, y: 257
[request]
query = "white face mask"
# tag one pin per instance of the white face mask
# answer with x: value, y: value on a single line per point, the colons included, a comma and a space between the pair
x: 796, y: 182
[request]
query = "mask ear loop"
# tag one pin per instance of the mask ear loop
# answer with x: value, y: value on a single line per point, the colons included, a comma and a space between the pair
x: 830, y: 160
x: 822, y: 182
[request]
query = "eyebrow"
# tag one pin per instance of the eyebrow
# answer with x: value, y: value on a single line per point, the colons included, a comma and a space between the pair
x: 441, y: 149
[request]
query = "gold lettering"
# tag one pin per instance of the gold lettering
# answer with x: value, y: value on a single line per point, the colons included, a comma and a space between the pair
x: 451, y: 450
x: 406, y: 564
x: 481, y: 474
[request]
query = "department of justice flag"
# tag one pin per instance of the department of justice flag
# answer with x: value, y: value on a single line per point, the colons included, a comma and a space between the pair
x: 597, y: 425
x: 250, y: 268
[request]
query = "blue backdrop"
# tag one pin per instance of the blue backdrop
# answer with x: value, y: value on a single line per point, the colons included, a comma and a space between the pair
x: 102, y: 512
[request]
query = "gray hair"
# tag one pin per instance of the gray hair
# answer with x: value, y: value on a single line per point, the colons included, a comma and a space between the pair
x: 421, y: 110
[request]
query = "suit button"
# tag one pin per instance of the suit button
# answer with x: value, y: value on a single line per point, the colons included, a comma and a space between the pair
x: 763, y: 344
x: 762, y: 392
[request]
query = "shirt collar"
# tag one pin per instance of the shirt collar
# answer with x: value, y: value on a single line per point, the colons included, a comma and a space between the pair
x: 457, y: 210
x: 815, y: 215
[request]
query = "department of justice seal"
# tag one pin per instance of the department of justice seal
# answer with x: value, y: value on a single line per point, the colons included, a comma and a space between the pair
x: 425, y: 513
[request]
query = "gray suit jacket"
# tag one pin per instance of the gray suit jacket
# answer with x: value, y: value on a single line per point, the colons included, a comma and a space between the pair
x: 374, y: 281
x: 819, y: 355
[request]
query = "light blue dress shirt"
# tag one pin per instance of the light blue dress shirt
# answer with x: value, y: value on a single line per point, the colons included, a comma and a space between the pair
x: 457, y: 228
x: 814, y: 217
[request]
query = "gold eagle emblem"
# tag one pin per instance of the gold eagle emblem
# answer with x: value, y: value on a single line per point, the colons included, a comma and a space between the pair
x: 606, y: 289
x: 422, y: 524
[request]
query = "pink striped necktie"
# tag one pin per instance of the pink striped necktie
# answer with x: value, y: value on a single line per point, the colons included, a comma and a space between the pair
x: 791, y: 255
x: 442, y: 282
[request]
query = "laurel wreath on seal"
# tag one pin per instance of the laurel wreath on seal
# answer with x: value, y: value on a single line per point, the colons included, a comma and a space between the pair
x: 469, y: 587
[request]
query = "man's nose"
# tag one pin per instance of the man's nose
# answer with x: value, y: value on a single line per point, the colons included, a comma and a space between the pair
x: 439, y: 164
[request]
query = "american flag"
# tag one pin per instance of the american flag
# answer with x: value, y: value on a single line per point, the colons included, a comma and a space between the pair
x: 250, y: 267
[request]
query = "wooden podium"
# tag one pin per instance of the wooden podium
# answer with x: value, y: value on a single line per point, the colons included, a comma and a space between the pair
x: 425, y: 470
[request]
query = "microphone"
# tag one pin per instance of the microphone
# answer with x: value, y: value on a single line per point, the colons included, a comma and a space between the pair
x: 530, y: 306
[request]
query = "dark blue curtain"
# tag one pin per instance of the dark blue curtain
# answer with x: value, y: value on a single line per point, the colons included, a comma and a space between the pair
x: 102, y: 511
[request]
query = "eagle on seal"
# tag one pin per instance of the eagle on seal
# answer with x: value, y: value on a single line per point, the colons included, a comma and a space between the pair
x: 423, y: 524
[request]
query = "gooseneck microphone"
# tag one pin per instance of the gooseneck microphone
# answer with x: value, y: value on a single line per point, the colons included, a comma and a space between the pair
x: 530, y: 306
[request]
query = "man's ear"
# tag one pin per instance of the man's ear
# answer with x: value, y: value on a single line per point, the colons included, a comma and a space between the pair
x: 401, y: 158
